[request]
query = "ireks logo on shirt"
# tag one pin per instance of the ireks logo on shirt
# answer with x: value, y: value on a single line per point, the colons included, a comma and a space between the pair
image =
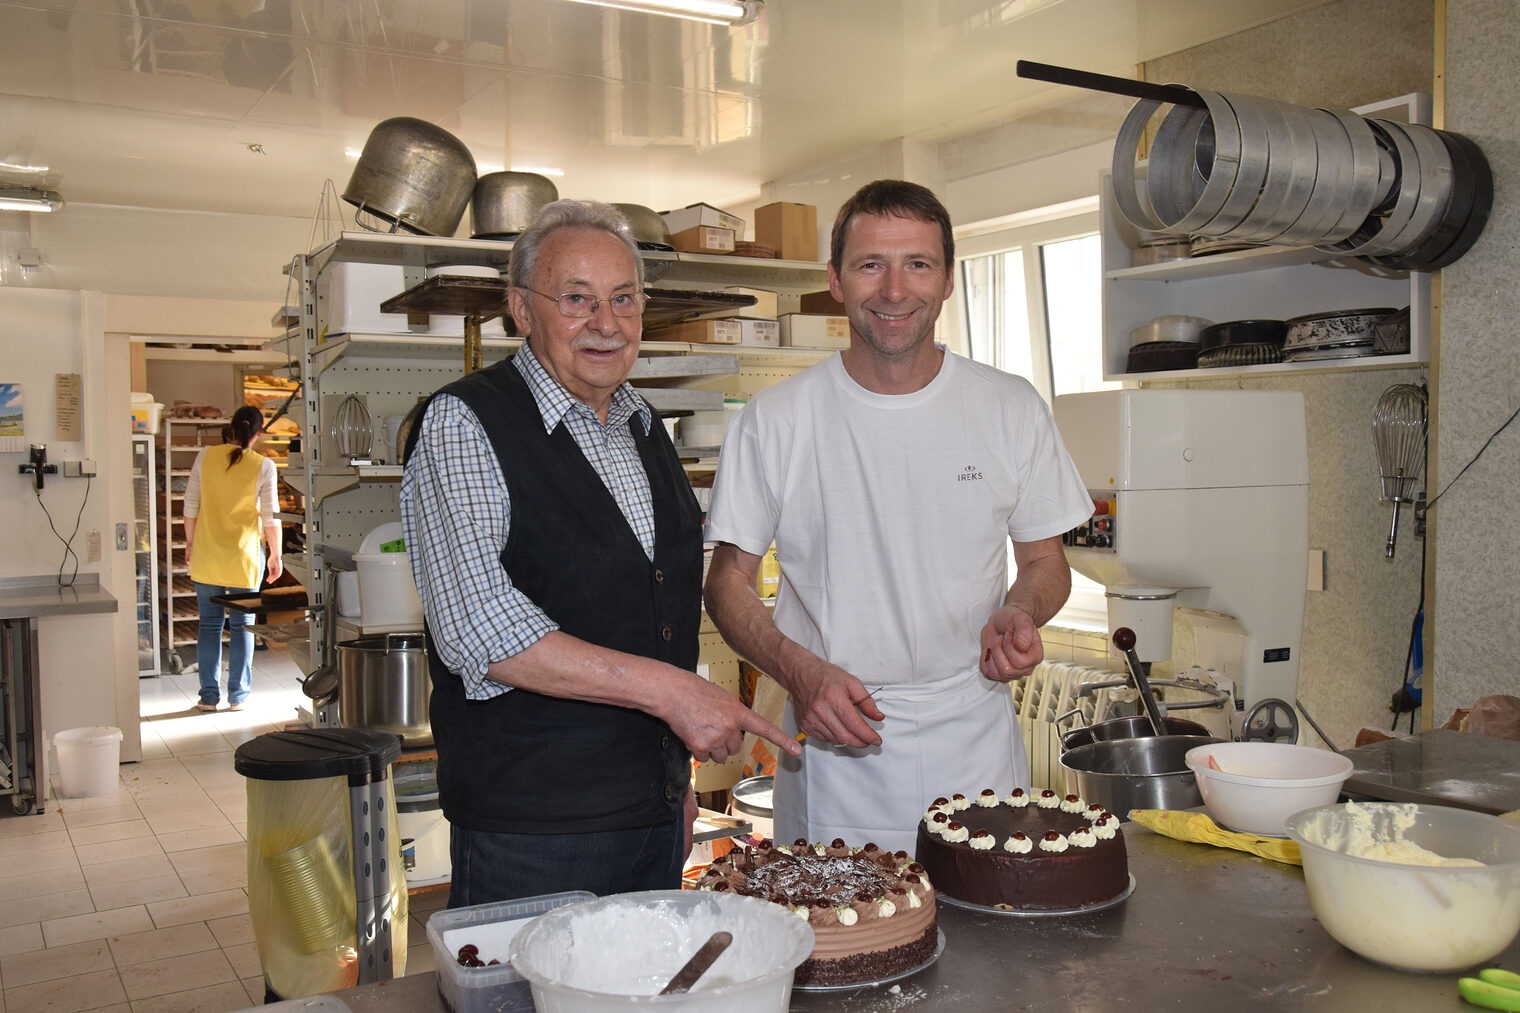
x: 969, y: 474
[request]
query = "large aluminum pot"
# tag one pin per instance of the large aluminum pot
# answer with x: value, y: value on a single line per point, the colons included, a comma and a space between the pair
x: 1135, y: 727
x: 1125, y: 774
x: 505, y: 202
x: 383, y: 684
x: 648, y: 228
x: 415, y: 175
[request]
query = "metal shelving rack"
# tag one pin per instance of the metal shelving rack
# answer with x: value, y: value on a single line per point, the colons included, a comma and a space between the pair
x: 145, y: 556
x: 390, y: 372
x: 177, y: 608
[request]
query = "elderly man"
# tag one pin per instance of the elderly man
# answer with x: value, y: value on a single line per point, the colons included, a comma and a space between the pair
x: 557, y: 549
x: 891, y: 478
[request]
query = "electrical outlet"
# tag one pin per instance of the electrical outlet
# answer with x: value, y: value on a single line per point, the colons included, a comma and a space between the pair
x: 121, y: 538
x: 70, y: 469
x: 87, y: 468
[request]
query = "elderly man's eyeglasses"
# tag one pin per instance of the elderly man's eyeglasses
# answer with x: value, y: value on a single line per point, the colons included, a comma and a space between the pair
x: 580, y: 305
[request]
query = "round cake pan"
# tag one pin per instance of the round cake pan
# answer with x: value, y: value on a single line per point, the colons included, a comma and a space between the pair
x: 1320, y: 330
x: 1172, y: 327
x: 1239, y: 355
x: 1162, y: 251
x: 1158, y: 355
x: 1242, y: 332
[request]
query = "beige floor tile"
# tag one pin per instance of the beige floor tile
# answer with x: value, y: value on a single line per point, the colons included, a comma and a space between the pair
x: 95, y: 925
x: 23, y: 849
x: 56, y: 962
x: 45, y: 907
x: 420, y: 959
x: 81, y: 817
x: 137, y: 891
x: 204, y: 907
x: 218, y: 998
x: 160, y: 944
x: 53, y: 860
x: 255, y: 989
x: 244, y: 958
x: 211, y: 870
x: 110, y: 833
x: 205, y: 837
x: 112, y: 799
x: 176, y: 974
x: 169, y: 817
x: 20, y: 939
x: 68, y: 995
x: 127, y: 870
x: 37, y: 882
x: 12, y: 825
x: 119, y: 851
x: 232, y: 931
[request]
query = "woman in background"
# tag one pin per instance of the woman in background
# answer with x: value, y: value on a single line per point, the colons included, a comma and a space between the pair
x: 230, y: 504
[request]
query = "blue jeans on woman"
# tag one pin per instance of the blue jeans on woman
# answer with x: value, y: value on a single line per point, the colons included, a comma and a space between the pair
x: 208, y: 645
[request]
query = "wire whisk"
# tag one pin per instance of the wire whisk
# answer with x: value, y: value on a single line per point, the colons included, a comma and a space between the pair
x: 1398, y: 432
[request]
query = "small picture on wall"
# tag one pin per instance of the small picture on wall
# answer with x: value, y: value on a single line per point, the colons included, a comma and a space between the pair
x: 11, y: 435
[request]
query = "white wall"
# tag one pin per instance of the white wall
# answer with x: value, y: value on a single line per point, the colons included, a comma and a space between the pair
x: 88, y: 663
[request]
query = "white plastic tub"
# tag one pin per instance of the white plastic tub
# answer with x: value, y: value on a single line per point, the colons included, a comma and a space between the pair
x: 387, y: 593
x: 490, y: 928
x: 88, y: 759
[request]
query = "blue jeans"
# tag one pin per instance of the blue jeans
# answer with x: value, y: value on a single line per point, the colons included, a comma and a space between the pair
x: 208, y: 645
x: 492, y: 867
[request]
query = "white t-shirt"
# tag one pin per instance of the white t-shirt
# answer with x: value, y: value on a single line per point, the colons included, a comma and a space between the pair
x: 890, y: 512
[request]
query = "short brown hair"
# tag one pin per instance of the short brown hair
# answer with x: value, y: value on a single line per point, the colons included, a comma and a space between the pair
x: 895, y: 197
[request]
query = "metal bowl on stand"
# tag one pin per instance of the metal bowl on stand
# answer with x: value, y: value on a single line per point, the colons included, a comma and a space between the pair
x: 1125, y: 774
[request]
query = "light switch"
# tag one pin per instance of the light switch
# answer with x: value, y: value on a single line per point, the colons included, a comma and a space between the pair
x: 121, y: 538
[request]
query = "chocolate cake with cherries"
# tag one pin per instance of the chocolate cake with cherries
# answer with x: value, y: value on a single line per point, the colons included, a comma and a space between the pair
x: 1026, y: 851
x: 872, y: 911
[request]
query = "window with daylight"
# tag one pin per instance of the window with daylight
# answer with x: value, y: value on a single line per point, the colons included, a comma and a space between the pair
x: 1031, y: 303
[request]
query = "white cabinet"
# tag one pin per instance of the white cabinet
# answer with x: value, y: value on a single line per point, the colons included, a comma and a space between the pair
x: 1274, y: 283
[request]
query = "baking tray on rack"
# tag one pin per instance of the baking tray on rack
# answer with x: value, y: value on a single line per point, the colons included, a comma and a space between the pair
x: 256, y: 603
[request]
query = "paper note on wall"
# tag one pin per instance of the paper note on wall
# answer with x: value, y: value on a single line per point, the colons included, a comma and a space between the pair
x: 68, y: 397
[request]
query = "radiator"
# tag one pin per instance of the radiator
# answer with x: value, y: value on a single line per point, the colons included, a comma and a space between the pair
x: 1043, y: 696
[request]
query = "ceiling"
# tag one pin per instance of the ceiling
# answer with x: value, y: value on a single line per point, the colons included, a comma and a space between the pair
x: 249, y: 105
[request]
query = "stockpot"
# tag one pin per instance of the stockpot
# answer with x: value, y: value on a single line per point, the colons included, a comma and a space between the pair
x: 414, y: 174
x: 505, y: 202
x: 383, y: 684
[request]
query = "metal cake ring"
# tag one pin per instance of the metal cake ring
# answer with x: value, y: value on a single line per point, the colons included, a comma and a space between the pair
x: 1251, y: 119
x: 1332, y: 181
x: 1377, y: 244
x: 1172, y: 181
x: 1365, y: 176
x: 1126, y: 148
x: 1435, y: 186
x: 1292, y: 165
x: 1225, y: 171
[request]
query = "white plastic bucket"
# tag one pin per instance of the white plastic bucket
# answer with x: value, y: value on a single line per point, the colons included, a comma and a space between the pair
x: 387, y: 593
x: 348, y: 594
x: 88, y: 759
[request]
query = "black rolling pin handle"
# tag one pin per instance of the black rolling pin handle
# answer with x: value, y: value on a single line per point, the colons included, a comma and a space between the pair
x: 1174, y: 93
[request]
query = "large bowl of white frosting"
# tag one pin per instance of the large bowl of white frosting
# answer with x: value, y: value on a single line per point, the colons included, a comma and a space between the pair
x: 619, y: 951
x: 1416, y: 887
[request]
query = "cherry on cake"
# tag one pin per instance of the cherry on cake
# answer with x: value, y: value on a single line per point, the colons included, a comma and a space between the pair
x: 1030, y: 850
x: 872, y: 911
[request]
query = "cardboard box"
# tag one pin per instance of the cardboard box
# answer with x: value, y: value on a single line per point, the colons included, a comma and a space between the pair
x: 703, y: 239
x: 764, y: 307
x: 766, y: 333
x: 716, y: 332
x: 808, y: 330
x: 821, y: 302
x: 791, y: 229
x: 693, y: 215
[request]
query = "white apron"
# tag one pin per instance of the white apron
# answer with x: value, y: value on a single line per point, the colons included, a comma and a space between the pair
x: 957, y: 735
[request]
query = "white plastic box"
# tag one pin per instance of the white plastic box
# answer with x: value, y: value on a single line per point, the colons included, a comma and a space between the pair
x: 490, y: 927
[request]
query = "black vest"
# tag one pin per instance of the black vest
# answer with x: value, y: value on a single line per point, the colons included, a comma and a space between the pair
x: 523, y: 762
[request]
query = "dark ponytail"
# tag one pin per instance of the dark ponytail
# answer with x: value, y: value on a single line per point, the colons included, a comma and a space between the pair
x: 247, y: 423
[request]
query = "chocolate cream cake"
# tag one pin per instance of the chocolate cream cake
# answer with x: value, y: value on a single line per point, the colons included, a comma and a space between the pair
x: 1027, y: 851
x: 872, y: 911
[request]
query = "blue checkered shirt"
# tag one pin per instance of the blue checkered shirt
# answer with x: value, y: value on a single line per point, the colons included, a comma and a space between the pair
x: 456, y: 513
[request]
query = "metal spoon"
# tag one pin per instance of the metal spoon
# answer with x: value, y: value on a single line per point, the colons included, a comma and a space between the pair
x: 1124, y: 640
x: 699, y: 963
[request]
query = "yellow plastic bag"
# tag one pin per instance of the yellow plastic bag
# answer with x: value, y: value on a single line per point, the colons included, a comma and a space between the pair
x: 1198, y: 828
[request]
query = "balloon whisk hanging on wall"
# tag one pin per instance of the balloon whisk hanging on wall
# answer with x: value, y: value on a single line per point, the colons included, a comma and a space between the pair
x: 1398, y: 432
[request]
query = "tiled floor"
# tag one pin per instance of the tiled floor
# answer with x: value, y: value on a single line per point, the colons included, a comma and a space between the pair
x: 137, y: 901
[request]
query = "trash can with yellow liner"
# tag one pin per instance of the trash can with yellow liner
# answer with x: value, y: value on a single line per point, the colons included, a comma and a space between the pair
x: 326, y: 891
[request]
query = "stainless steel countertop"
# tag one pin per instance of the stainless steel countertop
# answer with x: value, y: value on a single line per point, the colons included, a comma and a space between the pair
x: 40, y: 597
x: 1439, y: 767
x: 1206, y: 928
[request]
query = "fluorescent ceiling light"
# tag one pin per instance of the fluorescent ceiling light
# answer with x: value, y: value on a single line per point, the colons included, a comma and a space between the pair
x: 27, y: 198
x: 715, y: 12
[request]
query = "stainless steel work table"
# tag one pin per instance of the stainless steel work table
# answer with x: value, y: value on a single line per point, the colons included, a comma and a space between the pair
x: 1205, y: 929
x: 24, y: 600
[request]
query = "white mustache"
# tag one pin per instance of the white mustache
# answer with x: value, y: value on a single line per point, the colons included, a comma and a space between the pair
x: 597, y: 343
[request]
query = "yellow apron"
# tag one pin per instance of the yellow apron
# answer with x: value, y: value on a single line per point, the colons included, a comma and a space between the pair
x: 227, y: 530
x: 956, y: 735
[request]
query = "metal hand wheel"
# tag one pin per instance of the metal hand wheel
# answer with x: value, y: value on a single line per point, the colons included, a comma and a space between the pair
x: 1270, y: 720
